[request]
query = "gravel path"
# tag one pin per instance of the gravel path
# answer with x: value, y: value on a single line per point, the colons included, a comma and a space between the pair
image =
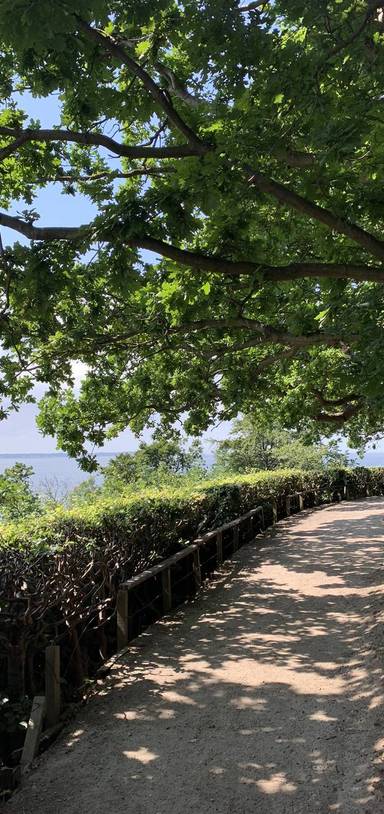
x: 263, y: 695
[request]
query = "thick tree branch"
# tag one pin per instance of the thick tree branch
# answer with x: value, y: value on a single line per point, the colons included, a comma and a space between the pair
x: 368, y: 17
x: 175, y: 87
x: 116, y: 50
x: 338, y: 419
x: 267, y: 333
x: 293, y: 271
x: 340, y: 402
x: 21, y: 137
x: 108, y: 175
x: 293, y: 158
x: 43, y: 233
x: 295, y: 201
x: 202, y: 262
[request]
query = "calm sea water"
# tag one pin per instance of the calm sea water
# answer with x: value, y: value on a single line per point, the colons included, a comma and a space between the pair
x: 58, y: 471
x: 62, y: 473
x: 55, y: 469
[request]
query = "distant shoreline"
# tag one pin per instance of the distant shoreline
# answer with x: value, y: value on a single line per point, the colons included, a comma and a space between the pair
x: 56, y: 454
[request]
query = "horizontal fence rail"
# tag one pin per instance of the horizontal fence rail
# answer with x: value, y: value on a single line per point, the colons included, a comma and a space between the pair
x: 241, y: 530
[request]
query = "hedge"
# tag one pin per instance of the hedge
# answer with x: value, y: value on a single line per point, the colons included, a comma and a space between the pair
x: 59, y: 573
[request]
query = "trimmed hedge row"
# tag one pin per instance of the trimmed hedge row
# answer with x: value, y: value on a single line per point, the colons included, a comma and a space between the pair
x: 59, y: 573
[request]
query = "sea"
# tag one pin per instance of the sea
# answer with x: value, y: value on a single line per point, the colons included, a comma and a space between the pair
x: 54, y: 471
x: 57, y: 473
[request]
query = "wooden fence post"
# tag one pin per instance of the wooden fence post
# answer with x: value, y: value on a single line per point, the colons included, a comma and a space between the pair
x: 122, y: 618
x: 166, y: 587
x: 301, y: 503
x: 236, y: 529
x: 274, y: 512
x: 288, y: 505
x: 219, y: 547
x: 197, y: 569
x: 52, y: 684
x: 32, y: 737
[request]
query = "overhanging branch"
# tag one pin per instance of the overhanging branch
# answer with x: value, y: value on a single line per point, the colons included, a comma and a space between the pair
x: 202, y: 262
x: 313, y: 210
x: 116, y: 50
x: 22, y: 137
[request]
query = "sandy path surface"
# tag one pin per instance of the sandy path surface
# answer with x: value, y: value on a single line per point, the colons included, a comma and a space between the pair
x: 263, y: 695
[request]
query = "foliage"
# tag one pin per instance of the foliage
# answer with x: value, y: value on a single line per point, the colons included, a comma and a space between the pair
x: 61, y: 571
x: 16, y: 496
x: 236, y: 262
x: 84, y: 492
x: 258, y: 445
x: 152, y: 464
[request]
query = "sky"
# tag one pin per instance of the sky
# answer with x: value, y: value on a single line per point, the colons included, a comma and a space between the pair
x: 18, y: 433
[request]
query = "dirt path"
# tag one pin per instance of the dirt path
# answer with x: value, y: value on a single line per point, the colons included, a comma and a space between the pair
x: 264, y: 695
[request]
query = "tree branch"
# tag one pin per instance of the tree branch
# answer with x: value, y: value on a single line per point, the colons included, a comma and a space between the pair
x: 340, y: 402
x: 295, y: 201
x: 372, y: 7
x: 43, y: 233
x: 21, y: 137
x: 338, y: 418
x: 293, y: 158
x: 109, y: 175
x: 113, y: 47
x: 202, y: 262
x: 267, y: 333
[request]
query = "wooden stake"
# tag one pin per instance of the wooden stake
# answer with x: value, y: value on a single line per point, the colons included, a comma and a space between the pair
x: 52, y: 684
x: 236, y: 536
x: 219, y: 547
x: 122, y: 618
x: 166, y: 585
x: 197, y: 569
x: 288, y: 505
x: 301, y: 503
x: 32, y: 737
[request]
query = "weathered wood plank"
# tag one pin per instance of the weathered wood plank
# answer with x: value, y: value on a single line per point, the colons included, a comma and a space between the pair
x: 236, y: 536
x: 197, y: 569
x: 52, y: 684
x: 34, y: 728
x: 219, y: 547
x: 166, y: 586
x: 122, y: 618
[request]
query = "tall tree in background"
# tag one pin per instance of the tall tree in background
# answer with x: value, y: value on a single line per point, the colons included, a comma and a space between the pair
x: 254, y: 444
x: 242, y: 146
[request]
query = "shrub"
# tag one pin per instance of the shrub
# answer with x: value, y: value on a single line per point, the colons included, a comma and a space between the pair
x: 59, y: 572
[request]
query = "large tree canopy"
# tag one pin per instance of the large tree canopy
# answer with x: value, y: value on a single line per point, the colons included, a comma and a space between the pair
x: 235, y: 155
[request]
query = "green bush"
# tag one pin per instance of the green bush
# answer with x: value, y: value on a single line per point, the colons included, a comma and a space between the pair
x: 61, y: 570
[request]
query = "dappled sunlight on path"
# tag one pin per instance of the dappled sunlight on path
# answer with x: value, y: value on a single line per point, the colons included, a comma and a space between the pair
x: 263, y: 695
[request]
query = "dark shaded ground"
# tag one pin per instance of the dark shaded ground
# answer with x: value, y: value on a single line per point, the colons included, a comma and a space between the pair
x: 265, y: 694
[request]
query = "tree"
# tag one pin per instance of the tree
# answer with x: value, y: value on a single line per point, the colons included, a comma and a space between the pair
x: 17, y: 498
x: 233, y: 153
x: 152, y: 463
x: 255, y: 445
